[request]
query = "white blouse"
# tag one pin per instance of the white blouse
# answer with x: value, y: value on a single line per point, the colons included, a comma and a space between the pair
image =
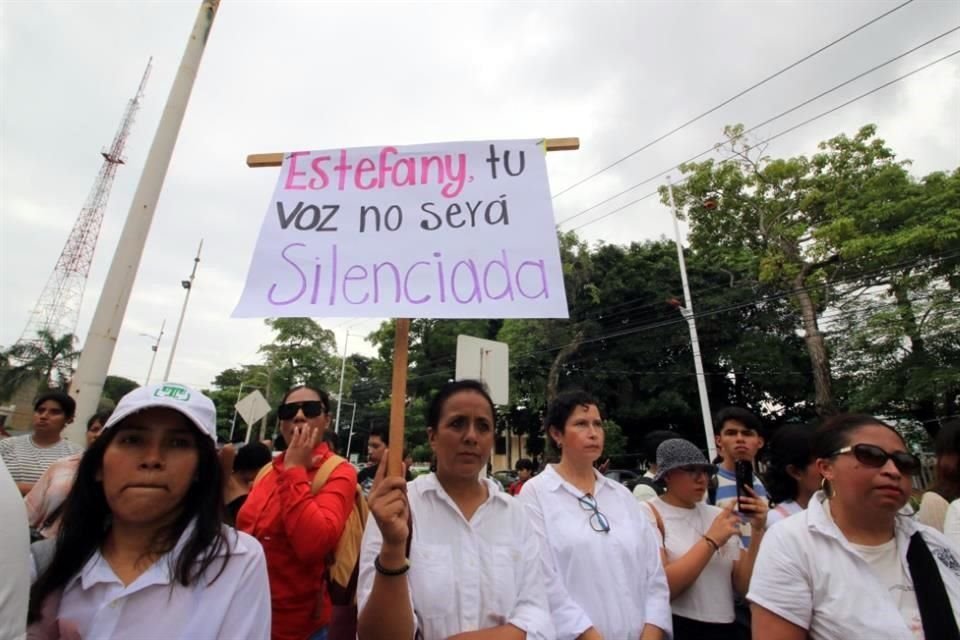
x: 808, y: 573
x: 97, y: 605
x: 466, y: 575
x: 612, y: 581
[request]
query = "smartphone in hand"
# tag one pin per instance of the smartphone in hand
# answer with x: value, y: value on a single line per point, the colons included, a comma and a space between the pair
x: 744, y: 473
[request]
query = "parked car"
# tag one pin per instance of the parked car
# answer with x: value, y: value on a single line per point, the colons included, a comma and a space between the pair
x: 505, y: 477
x: 627, y: 477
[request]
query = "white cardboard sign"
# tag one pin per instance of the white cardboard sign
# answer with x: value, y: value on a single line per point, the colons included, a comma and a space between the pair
x: 450, y: 230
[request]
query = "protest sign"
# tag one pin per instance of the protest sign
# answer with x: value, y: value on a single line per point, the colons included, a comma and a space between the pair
x: 451, y: 230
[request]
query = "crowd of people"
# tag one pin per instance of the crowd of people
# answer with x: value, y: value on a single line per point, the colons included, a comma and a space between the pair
x: 154, y: 531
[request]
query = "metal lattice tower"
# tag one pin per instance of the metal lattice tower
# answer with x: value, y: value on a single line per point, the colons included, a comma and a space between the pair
x: 58, y: 309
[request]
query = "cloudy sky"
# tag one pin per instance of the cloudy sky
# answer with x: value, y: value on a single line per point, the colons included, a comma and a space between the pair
x: 292, y: 75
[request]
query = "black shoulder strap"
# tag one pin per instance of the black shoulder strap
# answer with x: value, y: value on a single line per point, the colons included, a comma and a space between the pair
x: 936, y: 613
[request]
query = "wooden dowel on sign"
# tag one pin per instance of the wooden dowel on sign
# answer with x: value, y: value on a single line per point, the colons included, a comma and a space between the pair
x: 258, y: 160
x: 398, y: 397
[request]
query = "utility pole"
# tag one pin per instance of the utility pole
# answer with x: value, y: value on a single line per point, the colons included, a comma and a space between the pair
x: 155, y: 347
x: 687, y: 312
x: 87, y: 385
x: 343, y: 370
x: 188, y: 285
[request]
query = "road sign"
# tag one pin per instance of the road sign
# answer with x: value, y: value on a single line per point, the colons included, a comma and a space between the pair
x: 253, y: 407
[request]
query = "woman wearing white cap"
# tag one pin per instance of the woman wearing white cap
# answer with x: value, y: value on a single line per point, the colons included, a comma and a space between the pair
x: 141, y: 551
x: 604, y: 575
x: 699, y: 544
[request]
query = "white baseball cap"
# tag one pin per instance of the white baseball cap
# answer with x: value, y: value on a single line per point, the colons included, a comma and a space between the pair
x: 197, y: 408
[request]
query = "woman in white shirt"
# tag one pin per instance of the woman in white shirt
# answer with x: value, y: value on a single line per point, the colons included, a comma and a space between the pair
x: 946, y: 485
x: 951, y: 523
x: 849, y: 566
x: 604, y: 575
x: 791, y: 477
x: 141, y: 550
x: 473, y: 569
x: 700, y: 546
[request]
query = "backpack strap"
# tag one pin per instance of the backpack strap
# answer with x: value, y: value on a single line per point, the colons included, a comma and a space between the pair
x: 323, y: 473
x: 932, y: 598
x: 264, y: 471
x: 660, y: 527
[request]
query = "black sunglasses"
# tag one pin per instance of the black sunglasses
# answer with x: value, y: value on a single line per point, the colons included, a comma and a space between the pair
x: 873, y: 456
x: 310, y: 408
x: 598, y: 521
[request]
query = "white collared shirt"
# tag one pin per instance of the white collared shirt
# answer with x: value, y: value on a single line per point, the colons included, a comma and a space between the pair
x: 466, y: 575
x: 809, y: 574
x: 612, y: 581
x: 236, y: 605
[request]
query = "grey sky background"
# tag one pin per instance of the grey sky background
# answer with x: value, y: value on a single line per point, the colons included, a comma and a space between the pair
x: 294, y: 75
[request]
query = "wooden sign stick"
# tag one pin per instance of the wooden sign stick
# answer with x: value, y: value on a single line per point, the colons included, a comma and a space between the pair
x: 398, y: 397
x: 401, y: 344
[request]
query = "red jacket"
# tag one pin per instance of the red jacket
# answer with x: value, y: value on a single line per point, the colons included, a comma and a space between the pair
x: 299, y: 531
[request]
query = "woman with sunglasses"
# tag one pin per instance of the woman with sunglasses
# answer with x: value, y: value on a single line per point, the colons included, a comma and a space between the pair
x: 470, y: 567
x: 604, y: 574
x: 300, y: 529
x: 700, y: 546
x: 850, y: 566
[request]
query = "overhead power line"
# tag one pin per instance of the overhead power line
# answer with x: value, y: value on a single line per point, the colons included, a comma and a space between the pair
x: 769, y: 139
x: 731, y: 99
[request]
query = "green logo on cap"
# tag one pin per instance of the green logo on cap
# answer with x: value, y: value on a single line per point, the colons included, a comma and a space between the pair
x: 172, y: 391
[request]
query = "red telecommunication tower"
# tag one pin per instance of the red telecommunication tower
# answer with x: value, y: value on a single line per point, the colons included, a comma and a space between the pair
x: 58, y: 308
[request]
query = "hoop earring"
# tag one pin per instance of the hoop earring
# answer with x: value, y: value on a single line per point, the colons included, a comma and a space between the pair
x: 827, y: 489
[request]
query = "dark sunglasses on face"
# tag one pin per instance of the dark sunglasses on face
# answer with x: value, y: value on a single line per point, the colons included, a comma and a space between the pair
x: 310, y: 408
x: 873, y: 456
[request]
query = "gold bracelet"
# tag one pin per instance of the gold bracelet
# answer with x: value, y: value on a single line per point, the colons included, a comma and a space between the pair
x: 712, y: 543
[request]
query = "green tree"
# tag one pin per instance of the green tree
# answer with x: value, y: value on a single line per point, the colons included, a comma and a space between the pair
x: 115, y: 387
x: 48, y: 359
x: 753, y: 212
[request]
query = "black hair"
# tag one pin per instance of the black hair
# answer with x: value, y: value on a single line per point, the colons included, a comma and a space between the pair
x: 745, y: 416
x: 381, y: 432
x: 435, y: 408
x: 947, y: 445
x: 791, y: 444
x: 834, y: 434
x: 652, y: 441
x: 560, y: 410
x: 100, y: 416
x: 68, y: 404
x: 324, y: 396
x: 252, y: 457
x: 525, y: 464
x: 86, y: 522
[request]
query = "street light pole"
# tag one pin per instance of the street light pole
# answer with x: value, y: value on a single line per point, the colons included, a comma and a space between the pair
x: 350, y: 438
x: 343, y: 371
x: 687, y: 312
x: 188, y: 285
x: 155, y: 347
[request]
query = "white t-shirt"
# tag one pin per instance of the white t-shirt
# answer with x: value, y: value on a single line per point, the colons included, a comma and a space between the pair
x: 885, y: 564
x: 710, y: 597
x: 809, y: 574
x: 783, y: 510
x: 14, y: 559
x: 951, y: 523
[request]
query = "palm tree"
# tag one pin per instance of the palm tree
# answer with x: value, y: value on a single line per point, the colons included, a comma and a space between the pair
x: 48, y: 359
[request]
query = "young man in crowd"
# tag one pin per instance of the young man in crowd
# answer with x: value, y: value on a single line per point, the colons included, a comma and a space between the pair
x: 377, y: 443
x: 28, y: 456
x: 524, y: 468
x: 739, y: 436
x: 647, y: 488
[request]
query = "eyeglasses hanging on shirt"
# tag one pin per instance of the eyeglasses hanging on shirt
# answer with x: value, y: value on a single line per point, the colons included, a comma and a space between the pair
x: 598, y: 521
